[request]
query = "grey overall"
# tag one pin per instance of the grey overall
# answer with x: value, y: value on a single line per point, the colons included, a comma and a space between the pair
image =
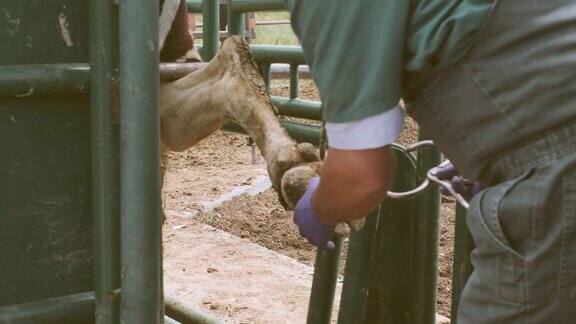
x: 505, y: 115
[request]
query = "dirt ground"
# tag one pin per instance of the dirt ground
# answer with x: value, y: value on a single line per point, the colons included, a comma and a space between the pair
x: 222, y: 163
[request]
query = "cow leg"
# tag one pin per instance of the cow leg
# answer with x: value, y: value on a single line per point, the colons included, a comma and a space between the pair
x: 228, y: 88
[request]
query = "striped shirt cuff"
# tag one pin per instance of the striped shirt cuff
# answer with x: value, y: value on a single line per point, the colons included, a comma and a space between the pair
x: 368, y: 133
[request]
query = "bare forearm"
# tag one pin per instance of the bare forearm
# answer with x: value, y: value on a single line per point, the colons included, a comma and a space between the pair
x: 353, y: 183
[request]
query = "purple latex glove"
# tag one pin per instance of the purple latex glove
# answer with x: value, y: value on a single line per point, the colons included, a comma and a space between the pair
x: 309, y: 224
x: 467, y: 189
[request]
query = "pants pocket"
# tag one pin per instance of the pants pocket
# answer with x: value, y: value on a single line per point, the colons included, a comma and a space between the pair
x: 500, y: 265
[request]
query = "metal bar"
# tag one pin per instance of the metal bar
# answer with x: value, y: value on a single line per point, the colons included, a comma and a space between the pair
x: 426, y: 229
x: 39, y: 79
x: 260, y: 23
x: 354, y: 300
x: 211, y: 34
x: 273, y: 22
x: 294, y: 80
x: 324, y: 285
x: 299, y: 132
x: 391, y: 282
x: 236, y: 20
x: 194, y: 6
x: 257, y: 5
x: 77, y: 308
x: 278, y: 54
x: 298, y: 108
x: 105, y: 218
x: 141, y: 230
x: 461, y: 266
x: 302, y: 132
x: 265, y: 72
x: 74, y: 78
x: 282, y: 71
x: 187, y: 315
x: 173, y: 71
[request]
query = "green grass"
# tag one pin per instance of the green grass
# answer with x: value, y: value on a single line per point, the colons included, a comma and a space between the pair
x: 274, y: 35
x: 269, y: 35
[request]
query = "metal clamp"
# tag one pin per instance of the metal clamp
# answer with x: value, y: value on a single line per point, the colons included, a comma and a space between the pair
x: 431, y: 176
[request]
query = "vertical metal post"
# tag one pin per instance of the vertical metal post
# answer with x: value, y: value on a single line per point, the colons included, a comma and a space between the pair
x: 210, y: 29
x: 392, y: 281
x: 294, y: 78
x: 354, y: 301
x: 141, y: 231
x: 461, y: 266
x: 103, y: 150
x: 324, y: 285
x: 236, y: 21
x: 266, y: 73
x: 426, y: 242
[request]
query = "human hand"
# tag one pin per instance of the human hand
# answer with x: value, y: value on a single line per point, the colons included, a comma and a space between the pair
x: 467, y: 189
x: 309, y: 224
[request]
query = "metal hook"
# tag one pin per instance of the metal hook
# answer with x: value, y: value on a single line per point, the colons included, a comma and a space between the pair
x: 431, y: 176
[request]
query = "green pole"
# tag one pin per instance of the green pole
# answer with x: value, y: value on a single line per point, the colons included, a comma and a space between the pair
x: 211, y: 29
x: 426, y: 242
x: 259, y: 5
x: 70, y: 309
x: 391, y: 291
x: 354, y: 300
x: 194, y: 6
x: 141, y: 231
x: 294, y: 89
x: 324, y: 284
x: 236, y: 21
x: 461, y: 266
x: 25, y: 80
x: 103, y: 149
x: 298, y: 131
x: 278, y: 54
x: 265, y: 72
x: 184, y: 314
x: 298, y: 108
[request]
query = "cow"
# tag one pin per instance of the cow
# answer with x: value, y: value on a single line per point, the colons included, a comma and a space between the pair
x: 229, y: 88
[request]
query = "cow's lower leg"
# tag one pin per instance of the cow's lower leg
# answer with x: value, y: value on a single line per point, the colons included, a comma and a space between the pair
x: 228, y: 88
x: 231, y: 88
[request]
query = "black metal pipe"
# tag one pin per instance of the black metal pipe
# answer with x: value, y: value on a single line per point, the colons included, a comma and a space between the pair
x: 141, y: 229
x: 104, y: 213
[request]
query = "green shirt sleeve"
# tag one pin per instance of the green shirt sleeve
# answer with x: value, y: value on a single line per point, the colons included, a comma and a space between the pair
x: 355, y: 53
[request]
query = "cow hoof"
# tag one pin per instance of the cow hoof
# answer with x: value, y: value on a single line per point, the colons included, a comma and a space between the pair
x: 342, y: 230
x: 294, y: 183
x: 293, y: 186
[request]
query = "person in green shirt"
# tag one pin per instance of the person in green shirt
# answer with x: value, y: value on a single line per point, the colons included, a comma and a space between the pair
x: 493, y: 83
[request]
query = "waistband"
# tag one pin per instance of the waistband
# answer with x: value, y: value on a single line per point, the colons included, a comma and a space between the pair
x: 552, y: 145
